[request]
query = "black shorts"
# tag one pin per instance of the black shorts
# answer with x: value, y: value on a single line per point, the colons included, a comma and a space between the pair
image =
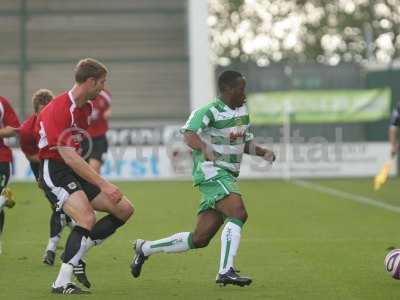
x: 4, y: 174
x: 99, y: 148
x: 35, y: 169
x: 59, y: 181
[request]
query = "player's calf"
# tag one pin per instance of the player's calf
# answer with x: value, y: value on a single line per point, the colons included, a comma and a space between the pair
x: 200, y: 241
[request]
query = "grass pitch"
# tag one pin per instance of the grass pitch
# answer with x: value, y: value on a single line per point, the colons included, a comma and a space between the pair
x: 299, y: 243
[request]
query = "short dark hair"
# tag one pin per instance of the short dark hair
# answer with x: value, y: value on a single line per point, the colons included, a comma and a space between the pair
x: 41, y: 97
x: 228, y: 78
x: 87, y: 68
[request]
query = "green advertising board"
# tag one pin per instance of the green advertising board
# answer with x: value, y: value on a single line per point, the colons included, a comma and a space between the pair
x: 322, y: 106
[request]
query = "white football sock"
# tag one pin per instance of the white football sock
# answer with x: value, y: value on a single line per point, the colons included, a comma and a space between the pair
x: 81, y: 252
x: 179, y: 242
x: 230, y: 239
x: 71, y: 224
x: 64, y: 276
x: 89, y: 245
x: 2, y: 202
x: 52, y: 244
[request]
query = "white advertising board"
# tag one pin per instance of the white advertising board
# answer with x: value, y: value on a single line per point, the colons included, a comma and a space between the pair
x: 174, y: 162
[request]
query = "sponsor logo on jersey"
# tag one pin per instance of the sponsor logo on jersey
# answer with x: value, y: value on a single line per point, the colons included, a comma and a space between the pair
x: 72, y: 185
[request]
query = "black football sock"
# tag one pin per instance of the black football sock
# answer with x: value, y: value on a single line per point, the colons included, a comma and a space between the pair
x: 2, y: 217
x: 104, y: 228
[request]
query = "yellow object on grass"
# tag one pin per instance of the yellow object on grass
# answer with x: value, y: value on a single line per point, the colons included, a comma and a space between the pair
x: 382, y: 176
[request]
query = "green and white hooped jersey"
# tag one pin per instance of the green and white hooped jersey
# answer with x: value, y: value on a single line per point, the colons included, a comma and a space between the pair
x: 224, y: 129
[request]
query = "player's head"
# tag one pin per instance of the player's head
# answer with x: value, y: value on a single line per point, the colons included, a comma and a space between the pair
x: 40, y: 99
x: 231, y: 85
x: 91, y: 74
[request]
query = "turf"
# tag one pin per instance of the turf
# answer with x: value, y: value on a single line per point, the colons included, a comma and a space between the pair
x: 297, y: 244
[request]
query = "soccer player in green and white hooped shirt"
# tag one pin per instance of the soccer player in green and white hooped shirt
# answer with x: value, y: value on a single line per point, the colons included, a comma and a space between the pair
x: 219, y: 134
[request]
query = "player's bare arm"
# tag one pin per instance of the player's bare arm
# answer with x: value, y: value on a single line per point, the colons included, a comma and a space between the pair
x: 394, y: 146
x: 107, y: 114
x: 194, y: 141
x: 83, y: 169
x: 8, y: 131
x: 253, y: 149
x: 32, y: 158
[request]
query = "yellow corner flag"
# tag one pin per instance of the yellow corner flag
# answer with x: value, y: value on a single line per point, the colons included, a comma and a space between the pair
x: 383, y: 174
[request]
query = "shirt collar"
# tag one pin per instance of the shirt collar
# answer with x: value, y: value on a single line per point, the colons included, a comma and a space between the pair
x: 71, y: 97
x: 226, y: 107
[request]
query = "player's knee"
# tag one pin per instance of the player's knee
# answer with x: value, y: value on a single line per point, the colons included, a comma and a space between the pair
x: 241, y: 214
x: 91, y: 220
x: 87, y: 220
x: 244, y: 216
x: 126, y: 209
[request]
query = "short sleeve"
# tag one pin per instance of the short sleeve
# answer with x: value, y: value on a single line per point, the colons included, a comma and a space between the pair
x: 27, y: 140
x: 8, y: 115
x: 198, y: 120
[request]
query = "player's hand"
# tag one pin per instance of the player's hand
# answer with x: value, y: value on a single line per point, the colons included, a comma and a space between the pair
x: 210, y: 156
x: 208, y: 153
x: 112, y: 191
x: 269, y: 156
x: 394, y: 150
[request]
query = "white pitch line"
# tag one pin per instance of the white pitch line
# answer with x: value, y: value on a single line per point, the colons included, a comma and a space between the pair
x: 346, y: 195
